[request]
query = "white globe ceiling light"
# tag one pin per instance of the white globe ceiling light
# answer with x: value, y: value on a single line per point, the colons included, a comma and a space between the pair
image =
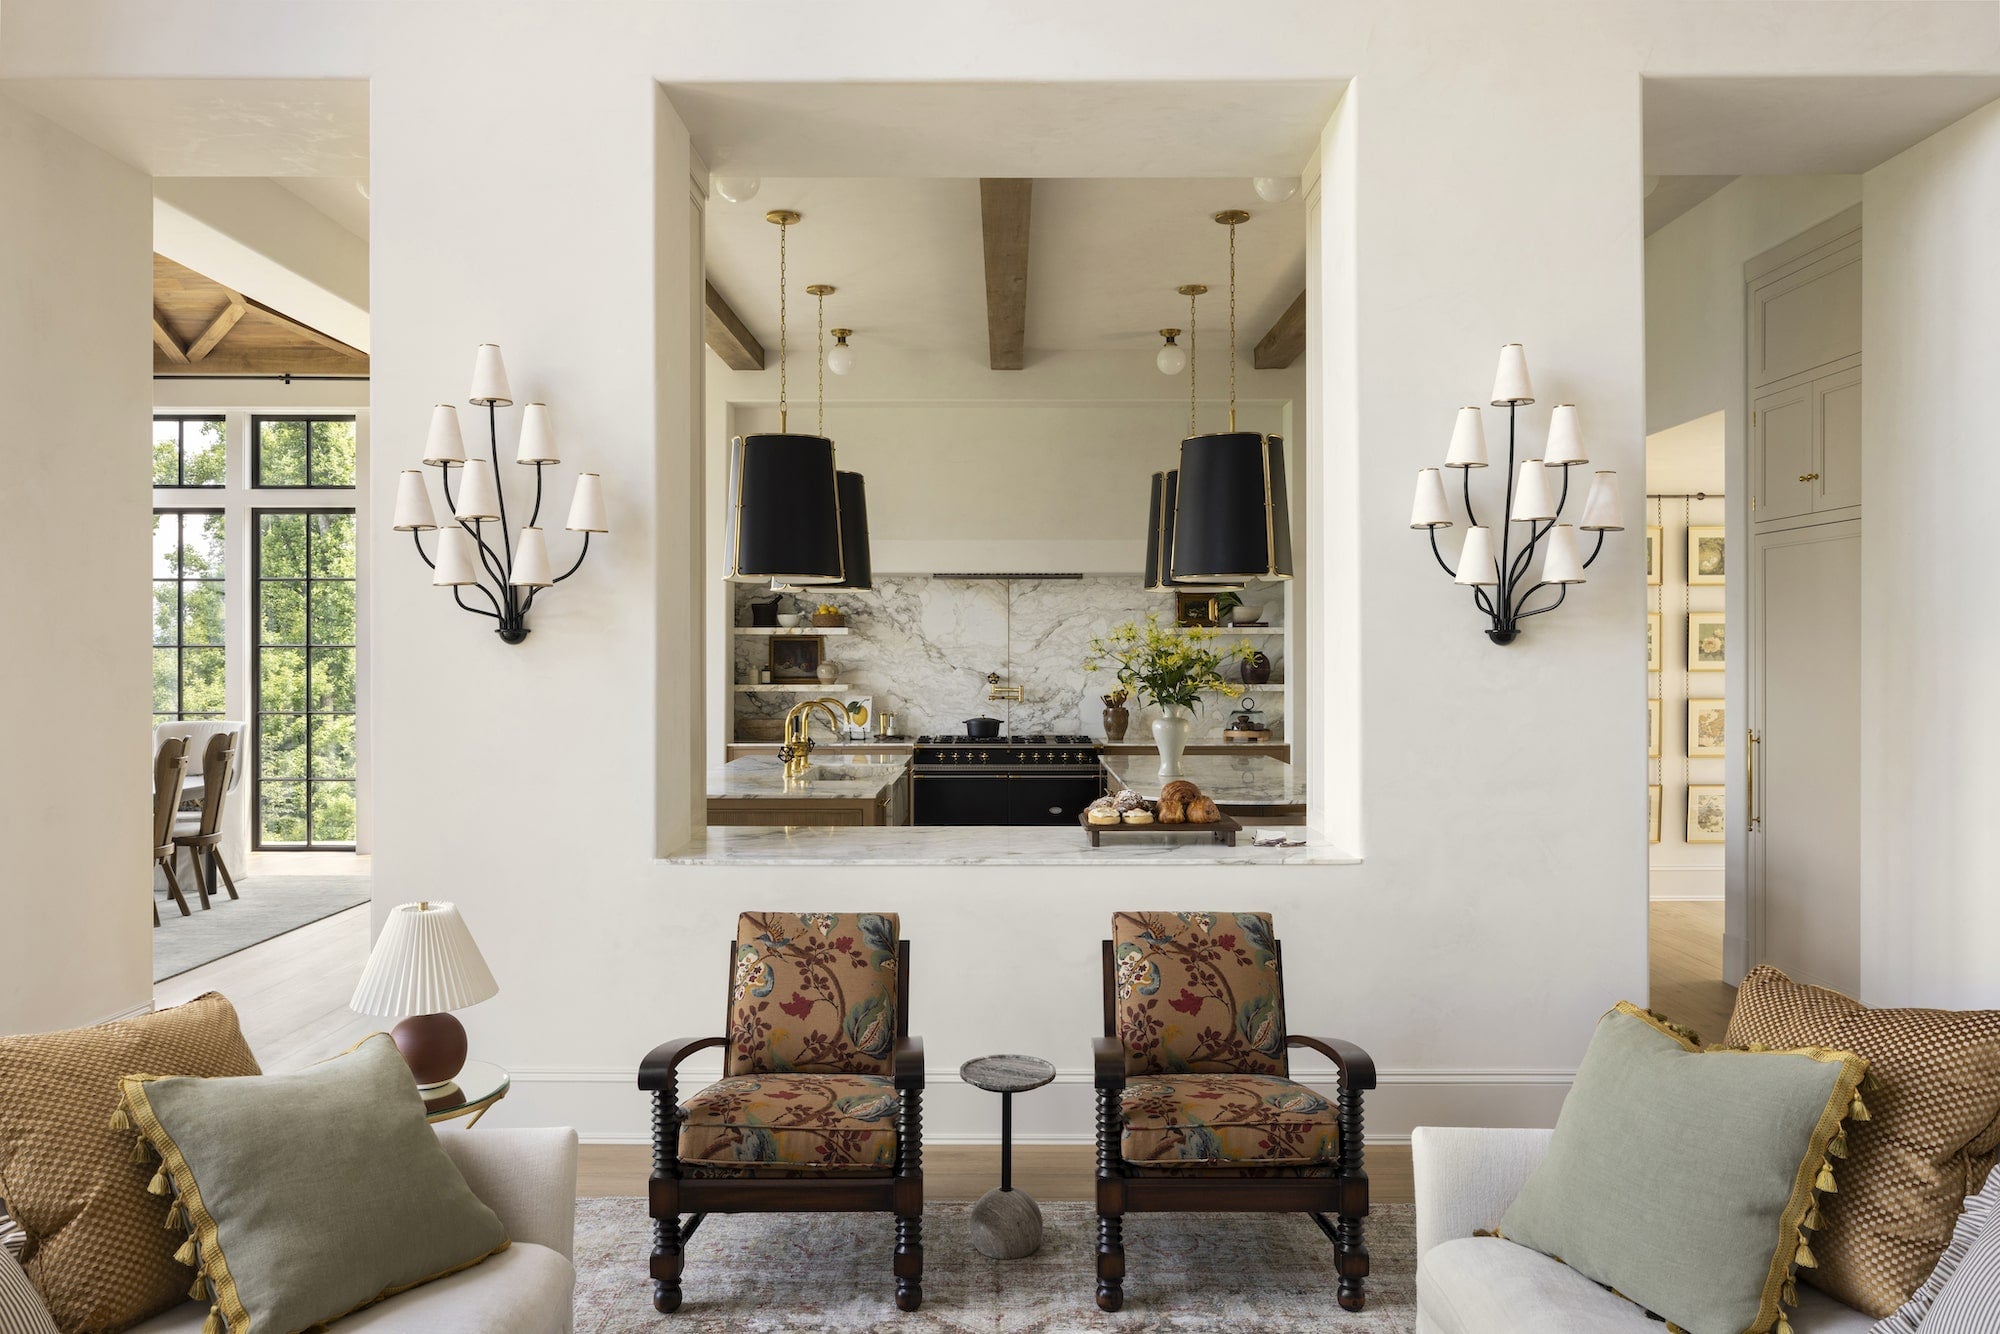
x: 1275, y: 189
x: 840, y: 357
x: 737, y: 189
x: 1172, y: 357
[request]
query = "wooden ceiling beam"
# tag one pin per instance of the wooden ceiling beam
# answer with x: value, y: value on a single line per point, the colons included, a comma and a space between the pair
x: 228, y: 359
x: 168, y: 345
x: 1003, y: 216
x: 728, y: 336
x: 217, y: 329
x: 305, y: 331
x: 1286, y: 340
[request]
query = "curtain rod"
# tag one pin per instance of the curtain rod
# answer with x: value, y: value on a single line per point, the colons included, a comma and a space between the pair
x: 286, y: 379
x: 1684, y: 495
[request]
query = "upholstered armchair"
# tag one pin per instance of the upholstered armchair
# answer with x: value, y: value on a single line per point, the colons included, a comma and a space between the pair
x: 1196, y: 1109
x: 820, y: 1108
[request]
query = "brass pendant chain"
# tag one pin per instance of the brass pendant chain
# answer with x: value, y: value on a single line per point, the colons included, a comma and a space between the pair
x: 1191, y: 346
x: 784, y: 230
x: 1232, y: 326
x: 822, y: 361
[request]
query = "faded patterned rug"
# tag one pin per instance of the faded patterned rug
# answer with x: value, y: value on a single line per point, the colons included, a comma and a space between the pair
x: 826, y: 1272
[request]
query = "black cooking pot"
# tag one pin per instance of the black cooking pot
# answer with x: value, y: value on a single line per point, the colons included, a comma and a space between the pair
x: 982, y: 729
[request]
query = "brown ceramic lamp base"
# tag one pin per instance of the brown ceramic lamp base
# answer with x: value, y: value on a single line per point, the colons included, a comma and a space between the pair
x: 433, y: 1046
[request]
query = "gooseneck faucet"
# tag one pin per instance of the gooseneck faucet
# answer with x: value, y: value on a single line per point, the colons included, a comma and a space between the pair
x: 798, y: 748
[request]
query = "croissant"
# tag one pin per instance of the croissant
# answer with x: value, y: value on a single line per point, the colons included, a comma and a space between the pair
x: 1180, y: 790
x: 1171, y: 810
x: 1203, y: 810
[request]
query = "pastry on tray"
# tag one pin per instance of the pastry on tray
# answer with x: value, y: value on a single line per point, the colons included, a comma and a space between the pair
x: 1203, y: 810
x: 1126, y: 800
x: 1102, y: 811
x: 1138, y: 815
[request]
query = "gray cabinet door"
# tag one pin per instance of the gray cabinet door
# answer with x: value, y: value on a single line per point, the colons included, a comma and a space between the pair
x: 1837, y: 425
x: 1782, y: 450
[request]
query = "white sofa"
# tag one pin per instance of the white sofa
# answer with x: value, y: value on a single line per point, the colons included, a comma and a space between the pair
x: 528, y: 1177
x: 1465, y: 1180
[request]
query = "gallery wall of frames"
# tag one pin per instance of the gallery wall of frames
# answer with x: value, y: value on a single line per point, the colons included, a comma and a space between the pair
x: 1687, y: 646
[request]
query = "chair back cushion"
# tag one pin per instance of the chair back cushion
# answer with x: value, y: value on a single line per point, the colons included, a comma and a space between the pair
x: 813, y: 993
x: 1198, y: 993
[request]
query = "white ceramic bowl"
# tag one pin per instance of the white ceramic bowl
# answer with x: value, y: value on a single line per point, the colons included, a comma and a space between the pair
x: 789, y: 619
x: 1239, y: 615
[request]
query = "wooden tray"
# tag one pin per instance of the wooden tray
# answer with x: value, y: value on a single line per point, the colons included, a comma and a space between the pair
x: 1224, y: 831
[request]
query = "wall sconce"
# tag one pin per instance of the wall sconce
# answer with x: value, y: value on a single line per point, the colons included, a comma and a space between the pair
x: 1496, y: 578
x: 519, y: 569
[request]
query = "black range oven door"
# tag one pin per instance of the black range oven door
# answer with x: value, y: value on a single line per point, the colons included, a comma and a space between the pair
x: 958, y: 798
x: 1034, y: 798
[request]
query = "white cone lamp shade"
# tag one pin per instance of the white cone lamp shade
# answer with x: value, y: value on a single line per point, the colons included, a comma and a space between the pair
x: 489, y: 378
x: 1510, y: 382
x: 445, y: 447
x: 1468, y: 441
x: 479, y: 493
x: 457, y: 559
x: 1430, y: 510
x: 1475, y: 558
x: 586, y: 510
x: 1531, y: 494
x: 1603, y: 512
x: 424, y: 962
x: 1561, y: 565
x: 538, y: 438
x: 1565, y: 438
x: 531, y: 561
x: 413, y: 503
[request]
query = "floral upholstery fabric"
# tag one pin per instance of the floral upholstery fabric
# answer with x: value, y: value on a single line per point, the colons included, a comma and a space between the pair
x: 1198, y: 993
x: 1184, y: 1121
x: 813, y: 993
x: 765, y: 1125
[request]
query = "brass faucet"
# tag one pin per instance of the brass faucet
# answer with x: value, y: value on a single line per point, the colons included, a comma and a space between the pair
x: 798, y: 747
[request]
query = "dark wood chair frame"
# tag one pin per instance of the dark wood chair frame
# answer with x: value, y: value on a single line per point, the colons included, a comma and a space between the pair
x: 170, y: 764
x: 204, y: 846
x: 1122, y: 1191
x: 901, y: 1193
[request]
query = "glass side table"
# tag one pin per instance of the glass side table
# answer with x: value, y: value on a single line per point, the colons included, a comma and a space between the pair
x: 1007, y: 1223
x: 474, y: 1091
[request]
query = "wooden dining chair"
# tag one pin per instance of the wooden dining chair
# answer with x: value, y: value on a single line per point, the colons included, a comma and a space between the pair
x: 169, y: 769
x: 200, y: 832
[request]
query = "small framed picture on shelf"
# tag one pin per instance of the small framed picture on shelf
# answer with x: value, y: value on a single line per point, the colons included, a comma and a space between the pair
x: 1655, y: 548
x: 1708, y: 820
x: 1196, y: 609
x: 1652, y: 729
x: 1652, y: 812
x: 1705, y: 730
x: 1708, y: 641
x: 795, y: 658
x: 1654, y: 656
x: 1705, y: 554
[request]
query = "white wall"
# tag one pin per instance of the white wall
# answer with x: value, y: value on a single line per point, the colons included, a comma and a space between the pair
x: 75, y: 292
x: 1931, y: 342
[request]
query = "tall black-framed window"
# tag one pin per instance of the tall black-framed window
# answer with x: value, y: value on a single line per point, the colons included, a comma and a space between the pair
x: 189, y: 452
x: 189, y: 599
x: 299, y: 452
x: 304, y: 612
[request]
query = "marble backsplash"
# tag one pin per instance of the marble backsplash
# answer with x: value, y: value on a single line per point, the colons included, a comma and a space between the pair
x: 922, y: 647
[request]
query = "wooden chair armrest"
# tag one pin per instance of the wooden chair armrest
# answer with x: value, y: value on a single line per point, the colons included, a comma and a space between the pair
x: 656, y: 1072
x: 1357, y: 1067
x: 909, y: 1063
x: 1109, y: 1056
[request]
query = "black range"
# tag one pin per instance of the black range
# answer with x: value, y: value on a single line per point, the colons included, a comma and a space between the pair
x: 1020, y: 780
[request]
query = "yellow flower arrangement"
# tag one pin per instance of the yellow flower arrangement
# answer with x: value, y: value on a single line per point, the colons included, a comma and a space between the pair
x: 1170, y: 667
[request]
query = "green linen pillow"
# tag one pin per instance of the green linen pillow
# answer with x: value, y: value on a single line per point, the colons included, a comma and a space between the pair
x: 308, y: 1196
x: 1684, y: 1180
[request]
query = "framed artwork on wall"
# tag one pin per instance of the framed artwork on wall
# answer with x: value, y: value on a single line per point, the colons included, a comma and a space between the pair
x: 1652, y: 812
x: 1196, y: 609
x: 1652, y: 729
x: 1707, y: 820
x: 795, y: 658
x: 1708, y: 641
x: 1705, y: 554
x: 1654, y: 657
x: 1655, y: 548
x: 1705, y: 729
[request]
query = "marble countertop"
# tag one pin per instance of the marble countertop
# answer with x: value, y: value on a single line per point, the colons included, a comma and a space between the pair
x: 980, y: 845
x: 848, y: 775
x: 1229, y: 780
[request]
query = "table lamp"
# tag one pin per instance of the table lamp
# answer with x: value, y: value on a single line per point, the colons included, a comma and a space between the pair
x: 425, y: 965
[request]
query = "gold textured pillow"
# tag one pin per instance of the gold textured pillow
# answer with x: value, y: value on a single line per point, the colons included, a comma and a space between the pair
x: 98, y: 1249
x: 1930, y: 1140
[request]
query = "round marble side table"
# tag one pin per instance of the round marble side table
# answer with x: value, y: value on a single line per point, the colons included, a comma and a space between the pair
x: 1006, y: 1223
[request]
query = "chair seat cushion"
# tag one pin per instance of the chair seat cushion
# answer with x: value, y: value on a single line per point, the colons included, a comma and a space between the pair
x: 1226, y: 1120
x: 779, y: 1124
x: 1483, y: 1285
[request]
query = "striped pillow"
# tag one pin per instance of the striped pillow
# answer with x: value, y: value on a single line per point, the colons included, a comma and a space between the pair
x: 21, y: 1308
x: 1975, y: 1223
x: 1970, y: 1302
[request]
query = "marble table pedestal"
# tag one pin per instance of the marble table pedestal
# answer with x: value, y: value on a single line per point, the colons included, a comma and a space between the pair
x: 1007, y: 1223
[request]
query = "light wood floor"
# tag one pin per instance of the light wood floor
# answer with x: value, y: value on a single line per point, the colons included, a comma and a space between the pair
x: 291, y: 994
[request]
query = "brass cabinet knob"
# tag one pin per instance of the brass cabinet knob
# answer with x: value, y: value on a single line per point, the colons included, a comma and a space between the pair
x: 1808, y: 477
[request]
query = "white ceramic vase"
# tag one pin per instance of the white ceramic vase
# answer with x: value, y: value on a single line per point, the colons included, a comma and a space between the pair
x: 829, y: 673
x: 1170, y: 734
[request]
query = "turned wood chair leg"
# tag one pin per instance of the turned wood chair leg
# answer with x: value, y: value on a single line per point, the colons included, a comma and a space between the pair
x: 909, y: 1262
x: 1110, y: 1224
x: 174, y: 886
x: 217, y: 864
x: 1350, y: 1255
x: 909, y: 1259
x: 669, y: 1247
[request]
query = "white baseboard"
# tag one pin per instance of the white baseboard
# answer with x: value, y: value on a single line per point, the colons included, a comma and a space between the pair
x: 1685, y: 884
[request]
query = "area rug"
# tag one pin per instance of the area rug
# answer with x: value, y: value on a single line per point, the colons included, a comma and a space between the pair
x: 830, y: 1272
x: 270, y: 906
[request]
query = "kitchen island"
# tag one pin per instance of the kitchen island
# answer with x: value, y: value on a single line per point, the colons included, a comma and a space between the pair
x: 1249, y: 787
x: 985, y: 845
x: 846, y: 789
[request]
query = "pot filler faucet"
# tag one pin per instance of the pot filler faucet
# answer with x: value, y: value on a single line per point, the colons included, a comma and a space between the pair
x: 798, y: 748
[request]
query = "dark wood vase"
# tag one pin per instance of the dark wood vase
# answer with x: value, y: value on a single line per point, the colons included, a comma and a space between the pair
x: 1116, y: 719
x: 1255, y: 670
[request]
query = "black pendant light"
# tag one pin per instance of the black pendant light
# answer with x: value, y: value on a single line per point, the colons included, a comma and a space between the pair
x: 1232, y: 517
x: 784, y: 494
x: 1163, y: 501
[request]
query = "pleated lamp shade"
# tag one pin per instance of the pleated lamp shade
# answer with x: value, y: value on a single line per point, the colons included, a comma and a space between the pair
x: 1232, y: 517
x: 424, y: 962
x: 1160, y: 541
x: 855, y: 559
x: 784, y: 513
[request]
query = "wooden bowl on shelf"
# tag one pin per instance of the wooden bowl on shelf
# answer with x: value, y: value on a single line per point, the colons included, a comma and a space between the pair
x: 829, y: 620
